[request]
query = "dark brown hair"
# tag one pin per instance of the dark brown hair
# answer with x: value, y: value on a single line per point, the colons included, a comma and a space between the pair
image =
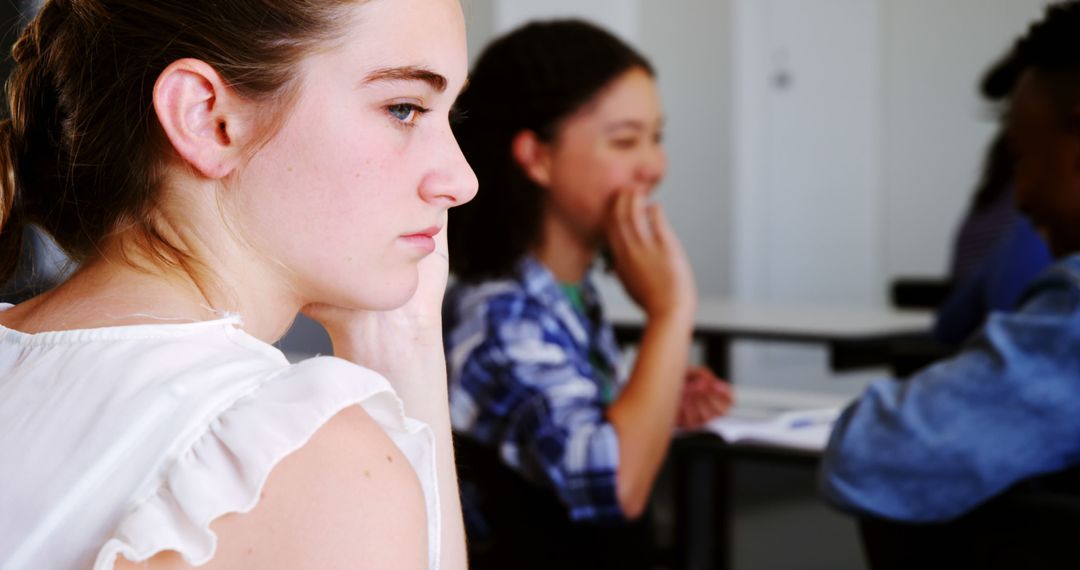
x: 83, y: 153
x: 533, y: 78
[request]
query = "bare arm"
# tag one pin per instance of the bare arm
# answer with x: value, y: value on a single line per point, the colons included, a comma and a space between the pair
x: 338, y: 502
x: 419, y: 378
x: 653, y: 268
x: 405, y: 345
x: 347, y: 499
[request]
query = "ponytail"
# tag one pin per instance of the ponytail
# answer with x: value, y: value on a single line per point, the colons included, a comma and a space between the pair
x: 11, y: 219
x: 83, y: 154
x: 30, y: 139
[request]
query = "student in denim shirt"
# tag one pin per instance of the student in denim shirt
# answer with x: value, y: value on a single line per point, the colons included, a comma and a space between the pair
x: 1008, y: 406
x: 562, y: 123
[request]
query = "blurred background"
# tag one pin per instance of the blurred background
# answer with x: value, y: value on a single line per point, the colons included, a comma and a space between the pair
x: 818, y: 150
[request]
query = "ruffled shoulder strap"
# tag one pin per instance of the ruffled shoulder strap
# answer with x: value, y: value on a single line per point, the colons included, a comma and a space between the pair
x: 225, y: 468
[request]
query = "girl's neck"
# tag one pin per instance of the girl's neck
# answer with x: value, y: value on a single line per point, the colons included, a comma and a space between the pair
x: 564, y: 252
x: 110, y: 291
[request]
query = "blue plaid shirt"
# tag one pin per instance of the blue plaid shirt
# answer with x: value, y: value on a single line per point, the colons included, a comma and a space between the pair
x: 530, y: 375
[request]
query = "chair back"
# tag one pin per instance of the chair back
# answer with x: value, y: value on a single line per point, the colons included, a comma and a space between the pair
x: 1031, y: 526
x: 525, y: 525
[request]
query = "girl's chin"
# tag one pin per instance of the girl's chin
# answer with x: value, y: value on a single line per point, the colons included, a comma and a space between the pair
x: 379, y: 289
x: 393, y: 295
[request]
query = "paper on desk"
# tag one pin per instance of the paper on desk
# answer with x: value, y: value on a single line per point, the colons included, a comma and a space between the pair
x: 797, y: 429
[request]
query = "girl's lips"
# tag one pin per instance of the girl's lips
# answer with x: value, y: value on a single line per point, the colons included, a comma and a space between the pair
x: 422, y: 241
x: 428, y: 232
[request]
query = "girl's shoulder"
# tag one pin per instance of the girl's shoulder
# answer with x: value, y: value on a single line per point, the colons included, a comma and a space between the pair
x: 319, y: 450
x: 151, y: 434
x: 346, y: 496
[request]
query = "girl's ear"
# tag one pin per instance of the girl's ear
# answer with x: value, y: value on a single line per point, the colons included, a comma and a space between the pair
x: 205, y: 120
x: 534, y: 156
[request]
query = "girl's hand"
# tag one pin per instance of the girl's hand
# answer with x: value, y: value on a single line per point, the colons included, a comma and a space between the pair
x: 649, y: 259
x: 704, y: 397
x: 387, y: 341
x: 405, y: 346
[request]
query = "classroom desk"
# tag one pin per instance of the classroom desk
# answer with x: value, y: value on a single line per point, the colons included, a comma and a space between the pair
x: 855, y: 337
x: 701, y: 464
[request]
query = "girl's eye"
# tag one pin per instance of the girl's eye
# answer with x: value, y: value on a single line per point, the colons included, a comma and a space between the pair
x: 625, y: 143
x: 406, y: 113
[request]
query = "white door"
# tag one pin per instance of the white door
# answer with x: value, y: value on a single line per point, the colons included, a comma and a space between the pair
x: 806, y: 192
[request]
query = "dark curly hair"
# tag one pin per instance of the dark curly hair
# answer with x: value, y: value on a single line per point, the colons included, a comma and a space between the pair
x: 1050, y: 45
x: 530, y: 79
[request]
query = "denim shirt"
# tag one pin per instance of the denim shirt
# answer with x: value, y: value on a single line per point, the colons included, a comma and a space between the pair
x: 523, y: 365
x: 963, y: 430
x: 998, y: 283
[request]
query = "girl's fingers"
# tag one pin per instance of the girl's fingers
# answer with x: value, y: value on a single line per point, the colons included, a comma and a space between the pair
x: 701, y: 414
x: 708, y: 403
x: 660, y: 228
x: 723, y: 389
x: 691, y: 410
x: 631, y: 218
x: 718, y: 407
x: 641, y: 212
x: 686, y: 416
x: 619, y: 225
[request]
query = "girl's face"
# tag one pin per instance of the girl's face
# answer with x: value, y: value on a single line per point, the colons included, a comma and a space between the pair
x: 345, y: 197
x: 1046, y: 163
x: 611, y: 145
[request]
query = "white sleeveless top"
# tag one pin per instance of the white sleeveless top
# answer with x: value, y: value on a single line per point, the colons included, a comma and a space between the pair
x: 131, y: 440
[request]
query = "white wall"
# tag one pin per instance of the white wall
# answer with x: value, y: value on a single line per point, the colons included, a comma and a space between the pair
x: 807, y: 202
x: 859, y: 170
x: 479, y: 24
x: 689, y: 44
x: 806, y: 143
x: 822, y: 191
x: 935, y: 126
x: 618, y: 16
x: 930, y: 125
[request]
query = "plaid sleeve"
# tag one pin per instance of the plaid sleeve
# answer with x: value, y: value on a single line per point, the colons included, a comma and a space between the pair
x: 531, y: 393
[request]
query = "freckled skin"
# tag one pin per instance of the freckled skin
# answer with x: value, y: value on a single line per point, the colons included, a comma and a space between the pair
x: 343, y: 174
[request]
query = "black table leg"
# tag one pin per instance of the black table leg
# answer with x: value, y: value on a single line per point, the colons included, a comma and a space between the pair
x: 717, y: 349
x: 702, y: 495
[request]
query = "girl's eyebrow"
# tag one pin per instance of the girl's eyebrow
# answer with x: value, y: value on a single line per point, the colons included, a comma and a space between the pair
x: 631, y: 124
x: 407, y: 73
x: 627, y: 124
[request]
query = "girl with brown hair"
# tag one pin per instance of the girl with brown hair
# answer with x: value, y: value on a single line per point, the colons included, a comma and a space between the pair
x: 217, y: 167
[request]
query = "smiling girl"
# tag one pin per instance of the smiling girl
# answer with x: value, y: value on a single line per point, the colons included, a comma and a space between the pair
x: 218, y: 167
x: 563, y: 124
